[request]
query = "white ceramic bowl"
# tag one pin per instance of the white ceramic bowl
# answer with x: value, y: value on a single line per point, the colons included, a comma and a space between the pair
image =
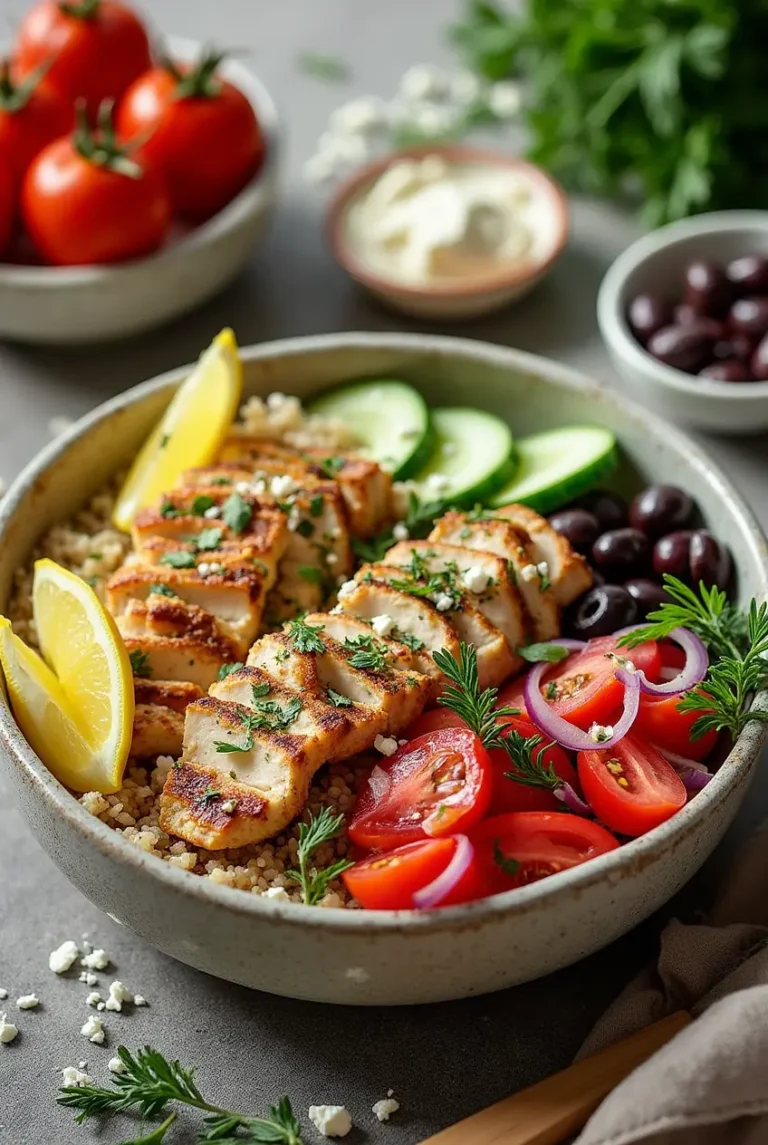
x: 97, y: 303
x: 656, y: 263
x: 386, y: 957
x: 452, y: 299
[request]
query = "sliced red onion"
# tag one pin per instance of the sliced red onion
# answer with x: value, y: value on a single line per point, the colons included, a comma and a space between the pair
x: 572, y: 801
x: 682, y: 761
x: 567, y: 735
x: 434, y: 893
x: 693, y: 774
x: 692, y: 672
x: 379, y: 783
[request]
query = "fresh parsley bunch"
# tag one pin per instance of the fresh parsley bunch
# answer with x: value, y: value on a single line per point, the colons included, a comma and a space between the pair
x: 666, y: 99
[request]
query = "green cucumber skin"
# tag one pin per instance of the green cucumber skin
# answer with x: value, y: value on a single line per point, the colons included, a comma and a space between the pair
x: 547, y: 500
x: 483, y: 487
x: 420, y: 456
x: 482, y: 491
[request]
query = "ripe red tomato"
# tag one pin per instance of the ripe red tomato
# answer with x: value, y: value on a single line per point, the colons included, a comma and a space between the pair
x: 584, y: 690
x: 32, y: 115
x: 7, y: 207
x: 200, y: 130
x: 80, y: 210
x: 509, y: 795
x: 95, y: 48
x: 434, y: 720
x: 661, y: 722
x: 389, y: 882
x: 524, y: 846
x: 512, y: 696
x: 439, y: 784
x: 630, y: 787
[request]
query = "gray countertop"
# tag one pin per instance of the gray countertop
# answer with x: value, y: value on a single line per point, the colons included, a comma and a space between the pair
x: 445, y: 1061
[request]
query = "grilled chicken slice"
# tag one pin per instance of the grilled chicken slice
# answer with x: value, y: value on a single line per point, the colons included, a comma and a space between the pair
x: 499, y: 600
x: 414, y: 618
x: 502, y: 538
x: 568, y: 572
x: 176, y: 641
x: 158, y: 723
x: 344, y: 627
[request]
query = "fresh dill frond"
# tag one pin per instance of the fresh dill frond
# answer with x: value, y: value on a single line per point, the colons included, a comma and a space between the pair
x: 720, y: 624
x: 305, y: 637
x: 527, y: 758
x: 463, y: 695
x: 320, y: 829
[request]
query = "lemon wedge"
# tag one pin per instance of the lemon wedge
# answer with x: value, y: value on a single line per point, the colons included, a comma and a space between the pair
x: 191, y: 431
x: 76, y: 706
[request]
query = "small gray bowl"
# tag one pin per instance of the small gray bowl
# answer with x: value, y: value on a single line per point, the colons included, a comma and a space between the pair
x: 380, y: 957
x: 656, y: 263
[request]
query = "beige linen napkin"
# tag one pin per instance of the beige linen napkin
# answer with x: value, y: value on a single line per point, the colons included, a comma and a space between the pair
x: 709, y: 1086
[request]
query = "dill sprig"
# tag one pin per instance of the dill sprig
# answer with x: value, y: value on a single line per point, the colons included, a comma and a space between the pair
x: 463, y: 695
x: 527, y: 758
x: 320, y: 829
x: 720, y: 624
x: 305, y: 637
x: 149, y: 1082
x: 368, y: 653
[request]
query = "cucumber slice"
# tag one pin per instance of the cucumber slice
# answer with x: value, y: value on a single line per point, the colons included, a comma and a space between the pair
x: 390, y: 418
x: 473, y: 455
x: 558, y: 465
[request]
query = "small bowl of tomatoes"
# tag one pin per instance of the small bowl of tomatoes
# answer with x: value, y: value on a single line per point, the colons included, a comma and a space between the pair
x: 132, y: 188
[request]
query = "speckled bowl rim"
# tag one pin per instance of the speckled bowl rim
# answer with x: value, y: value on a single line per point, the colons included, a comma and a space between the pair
x: 229, y: 218
x: 613, y: 320
x: 351, y: 188
x: 609, y: 868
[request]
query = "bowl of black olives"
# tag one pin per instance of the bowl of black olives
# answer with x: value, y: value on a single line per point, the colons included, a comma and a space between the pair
x: 684, y: 315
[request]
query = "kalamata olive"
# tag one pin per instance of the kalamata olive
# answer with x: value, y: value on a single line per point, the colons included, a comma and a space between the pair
x: 579, y: 527
x: 729, y: 370
x: 738, y: 345
x: 683, y: 314
x: 601, y: 611
x: 758, y: 365
x: 686, y: 347
x: 748, y: 273
x: 648, y: 595
x: 707, y: 289
x: 609, y: 508
x: 709, y: 561
x: 670, y: 554
x: 620, y: 553
x: 646, y: 314
x: 660, y: 509
x: 750, y: 315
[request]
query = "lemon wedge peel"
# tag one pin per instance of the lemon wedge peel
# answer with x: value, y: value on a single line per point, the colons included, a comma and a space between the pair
x: 190, y: 432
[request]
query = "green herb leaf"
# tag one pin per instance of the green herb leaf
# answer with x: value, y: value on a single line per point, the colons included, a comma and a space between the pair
x: 140, y: 664
x: 463, y: 696
x: 320, y: 829
x: 528, y: 763
x: 312, y: 574
x: 549, y: 653
x: 331, y: 466
x: 305, y: 637
x: 236, y: 513
x: 161, y: 590
x: 305, y: 528
x: 331, y: 69
x: 369, y: 654
x: 316, y: 505
x: 227, y: 670
x: 179, y: 559
x: 201, y: 504
x: 410, y: 641
x: 208, y: 540
x: 509, y: 865
x: 209, y: 794
x: 337, y: 699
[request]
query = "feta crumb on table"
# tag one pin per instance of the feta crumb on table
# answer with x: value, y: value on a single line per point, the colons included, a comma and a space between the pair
x: 330, y: 1120
x: 139, y: 1000
x: 89, y: 978
x: 117, y: 995
x: 7, y: 1031
x: 61, y: 959
x: 387, y: 745
x: 96, y: 960
x: 385, y: 1108
x: 94, y: 1031
x: 28, y: 1002
x: 3, y: 994
x: 116, y: 1065
x: 75, y: 1077
x: 93, y: 998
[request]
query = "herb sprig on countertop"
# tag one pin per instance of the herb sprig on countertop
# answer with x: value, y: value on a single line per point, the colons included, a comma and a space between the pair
x: 150, y: 1082
x: 320, y: 829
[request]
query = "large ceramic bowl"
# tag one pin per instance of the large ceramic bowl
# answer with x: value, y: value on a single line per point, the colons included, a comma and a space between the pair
x: 380, y: 957
x: 79, y: 304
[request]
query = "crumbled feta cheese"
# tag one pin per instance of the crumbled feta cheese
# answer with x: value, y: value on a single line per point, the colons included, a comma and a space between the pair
x: 346, y: 589
x: 332, y: 559
x: 276, y: 400
x: 283, y: 485
x: 75, y: 1077
x: 140, y: 1000
x: 93, y: 998
x: 7, y: 1031
x: 504, y: 99
x: 402, y: 742
x: 277, y: 894
x: 89, y: 978
x: 96, y: 960
x: 437, y: 482
x: 94, y: 1031
x: 116, y: 1065
x: 117, y: 995
x: 382, y: 625
x: 465, y: 87
x: 529, y: 572
x: 542, y: 568
x: 203, y: 568
x: 599, y: 733
x: 61, y: 959
x: 242, y: 487
x: 387, y: 745
x: 212, y: 513
x: 28, y: 1002
x: 358, y: 115
x: 443, y: 602
x: 101, y: 1006
x: 476, y: 579
x: 229, y: 806
x: 385, y: 1108
x: 400, y: 531
x: 330, y: 1120
x: 3, y: 994
x: 423, y: 81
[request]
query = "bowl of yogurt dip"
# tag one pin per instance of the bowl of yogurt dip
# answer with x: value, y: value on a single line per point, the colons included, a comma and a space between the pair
x: 448, y: 232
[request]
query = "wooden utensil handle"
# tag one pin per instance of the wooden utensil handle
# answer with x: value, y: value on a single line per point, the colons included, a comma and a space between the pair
x: 546, y: 1113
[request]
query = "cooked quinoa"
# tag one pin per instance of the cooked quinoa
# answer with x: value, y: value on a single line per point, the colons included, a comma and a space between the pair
x: 91, y: 548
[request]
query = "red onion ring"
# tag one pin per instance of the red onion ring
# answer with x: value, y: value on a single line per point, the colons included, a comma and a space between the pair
x: 435, y: 892
x: 571, y: 799
x: 692, y: 672
x: 693, y: 774
x: 567, y: 735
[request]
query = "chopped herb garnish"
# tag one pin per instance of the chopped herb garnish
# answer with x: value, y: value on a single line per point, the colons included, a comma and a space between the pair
x: 164, y: 440
x: 220, y: 481
x: 305, y: 637
x: 316, y: 505
x: 509, y: 865
x: 463, y: 696
x: 208, y: 540
x: 312, y: 835
x: 201, y: 504
x: 95, y: 556
x: 227, y: 670
x: 337, y: 699
x: 161, y: 590
x: 140, y: 664
x: 305, y: 528
x: 410, y: 641
x: 179, y: 559
x: 259, y: 691
x: 529, y: 768
x: 208, y: 795
x: 92, y: 580
x: 331, y: 69
x: 312, y: 574
x: 544, y: 581
x: 369, y: 654
x: 331, y: 466
x: 549, y: 653
x: 550, y: 690
x: 169, y: 511
x: 236, y: 513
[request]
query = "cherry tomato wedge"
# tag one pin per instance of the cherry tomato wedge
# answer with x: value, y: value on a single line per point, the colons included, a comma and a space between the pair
x: 389, y: 881
x: 525, y: 846
x: 509, y: 795
x: 584, y: 689
x: 661, y: 722
x: 512, y: 696
x: 630, y: 787
x: 439, y: 784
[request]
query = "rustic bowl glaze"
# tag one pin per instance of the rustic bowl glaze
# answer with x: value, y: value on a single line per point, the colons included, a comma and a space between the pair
x: 380, y: 957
